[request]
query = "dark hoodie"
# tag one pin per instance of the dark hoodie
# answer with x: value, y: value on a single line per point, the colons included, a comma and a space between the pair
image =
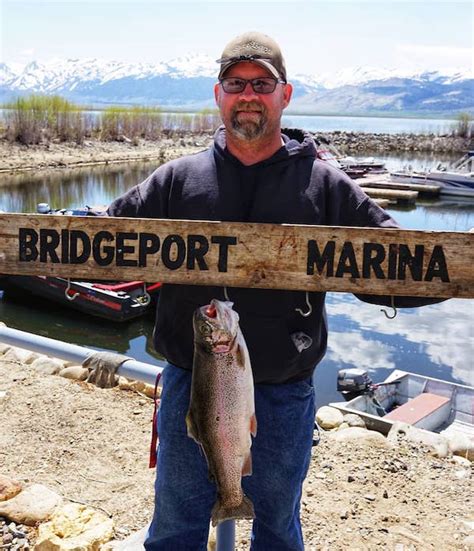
x: 292, y: 187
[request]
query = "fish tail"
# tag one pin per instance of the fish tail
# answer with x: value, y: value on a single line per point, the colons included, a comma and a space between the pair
x: 220, y: 513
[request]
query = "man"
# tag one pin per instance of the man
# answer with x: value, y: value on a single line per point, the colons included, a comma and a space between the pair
x: 258, y: 173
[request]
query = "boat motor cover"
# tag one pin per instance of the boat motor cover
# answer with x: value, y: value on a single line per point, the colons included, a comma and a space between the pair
x: 353, y: 380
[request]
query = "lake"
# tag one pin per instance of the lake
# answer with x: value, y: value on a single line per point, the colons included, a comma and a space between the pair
x: 436, y: 340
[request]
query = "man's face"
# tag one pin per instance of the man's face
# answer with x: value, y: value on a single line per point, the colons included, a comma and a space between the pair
x: 248, y: 115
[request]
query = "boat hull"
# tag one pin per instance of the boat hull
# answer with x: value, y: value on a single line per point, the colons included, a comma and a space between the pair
x: 401, y: 389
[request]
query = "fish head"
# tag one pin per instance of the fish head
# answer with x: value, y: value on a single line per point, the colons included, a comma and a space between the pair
x: 216, y: 326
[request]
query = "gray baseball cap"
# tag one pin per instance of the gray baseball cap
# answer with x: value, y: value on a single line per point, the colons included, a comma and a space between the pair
x: 256, y: 48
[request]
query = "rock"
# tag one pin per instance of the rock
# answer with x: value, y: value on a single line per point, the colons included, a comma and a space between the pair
x: 437, y: 444
x: 461, y: 461
x: 138, y: 386
x: 20, y: 355
x: 343, y: 426
x: 132, y: 543
x: 34, y: 504
x: 3, y: 395
x: 74, y: 527
x: 75, y: 372
x: 460, y: 444
x: 354, y: 420
x: 328, y: 417
x: 359, y: 436
x: 8, y: 488
x: 469, y: 542
x: 4, y: 348
x: 47, y: 366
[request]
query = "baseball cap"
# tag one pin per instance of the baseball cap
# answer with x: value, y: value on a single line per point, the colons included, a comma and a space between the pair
x: 257, y: 48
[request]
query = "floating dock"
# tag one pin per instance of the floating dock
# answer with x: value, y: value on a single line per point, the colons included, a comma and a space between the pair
x: 380, y: 188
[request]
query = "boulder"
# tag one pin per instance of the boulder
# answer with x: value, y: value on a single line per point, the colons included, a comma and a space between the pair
x: 75, y: 372
x: 138, y: 386
x: 436, y: 443
x: 47, y: 366
x: 4, y: 348
x: 75, y: 527
x: 328, y: 417
x: 8, y: 488
x: 134, y: 542
x: 460, y: 444
x: 20, y: 355
x: 359, y: 436
x: 34, y: 504
x: 354, y: 420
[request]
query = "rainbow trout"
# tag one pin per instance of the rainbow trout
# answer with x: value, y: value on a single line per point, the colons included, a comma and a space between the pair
x: 221, y: 414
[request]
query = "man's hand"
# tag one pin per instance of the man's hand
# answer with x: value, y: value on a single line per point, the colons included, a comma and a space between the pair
x: 103, y: 367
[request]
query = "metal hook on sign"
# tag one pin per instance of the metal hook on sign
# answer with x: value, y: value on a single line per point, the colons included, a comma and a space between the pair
x: 310, y: 307
x: 68, y: 289
x: 392, y: 304
x: 226, y: 295
x: 146, y: 298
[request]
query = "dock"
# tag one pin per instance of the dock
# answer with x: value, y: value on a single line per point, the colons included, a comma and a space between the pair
x: 381, y: 189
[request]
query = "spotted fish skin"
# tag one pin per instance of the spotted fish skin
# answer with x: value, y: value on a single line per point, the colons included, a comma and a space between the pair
x: 221, y: 415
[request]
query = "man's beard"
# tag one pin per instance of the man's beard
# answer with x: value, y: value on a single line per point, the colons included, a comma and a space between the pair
x: 249, y: 129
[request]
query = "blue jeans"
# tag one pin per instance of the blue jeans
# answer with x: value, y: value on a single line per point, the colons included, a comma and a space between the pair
x: 281, y: 453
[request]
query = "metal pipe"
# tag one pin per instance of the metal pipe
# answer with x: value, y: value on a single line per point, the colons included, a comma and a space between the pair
x: 133, y: 369
x: 139, y: 371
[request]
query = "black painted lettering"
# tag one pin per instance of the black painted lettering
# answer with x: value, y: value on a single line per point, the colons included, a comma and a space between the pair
x: 224, y: 241
x: 148, y: 243
x: 437, y: 266
x: 392, y: 260
x: 413, y: 261
x: 198, y: 245
x: 79, y: 247
x: 64, y: 246
x: 103, y: 254
x: 123, y: 249
x: 27, y: 241
x: 175, y: 260
x: 321, y: 260
x: 347, y: 262
x: 372, y: 258
x: 49, y: 240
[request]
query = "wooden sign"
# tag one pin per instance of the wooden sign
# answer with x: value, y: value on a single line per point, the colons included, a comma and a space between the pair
x: 271, y: 256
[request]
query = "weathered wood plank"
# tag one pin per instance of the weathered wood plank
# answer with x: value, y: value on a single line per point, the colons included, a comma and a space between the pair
x: 314, y: 258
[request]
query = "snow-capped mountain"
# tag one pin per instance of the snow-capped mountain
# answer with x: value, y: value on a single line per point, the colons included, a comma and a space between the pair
x: 187, y: 82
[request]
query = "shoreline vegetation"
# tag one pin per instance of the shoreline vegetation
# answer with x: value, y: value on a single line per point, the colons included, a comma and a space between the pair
x: 49, y: 132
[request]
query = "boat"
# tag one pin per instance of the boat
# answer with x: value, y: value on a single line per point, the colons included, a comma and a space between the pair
x: 423, y: 402
x: 455, y: 180
x: 115, y: 301
x: 351, y: 165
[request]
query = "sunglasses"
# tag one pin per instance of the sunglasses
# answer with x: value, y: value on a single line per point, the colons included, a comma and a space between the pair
x: 262, y: 85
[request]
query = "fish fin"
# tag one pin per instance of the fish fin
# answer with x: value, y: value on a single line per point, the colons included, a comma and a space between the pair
x: 221, y: 513
x: 247, y: 467
x: 192, y: 427
x: 253, y: 425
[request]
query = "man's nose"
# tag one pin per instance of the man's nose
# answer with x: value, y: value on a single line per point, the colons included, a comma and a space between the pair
x: 248, y: 90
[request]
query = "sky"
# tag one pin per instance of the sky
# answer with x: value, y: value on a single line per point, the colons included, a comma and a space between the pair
x: 316, y: 36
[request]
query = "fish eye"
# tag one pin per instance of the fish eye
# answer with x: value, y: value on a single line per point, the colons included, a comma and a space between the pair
x: 206, y: 329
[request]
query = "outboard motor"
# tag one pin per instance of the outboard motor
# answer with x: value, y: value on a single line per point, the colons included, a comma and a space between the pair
x: 352, y: 382
x: 43, y: 208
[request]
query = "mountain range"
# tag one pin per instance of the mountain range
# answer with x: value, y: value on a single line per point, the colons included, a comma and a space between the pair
x: 187, y: 83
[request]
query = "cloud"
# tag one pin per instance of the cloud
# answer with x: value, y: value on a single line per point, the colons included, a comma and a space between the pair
x: 444, y: 332
x: 354, y: 349
x: 439, y: 55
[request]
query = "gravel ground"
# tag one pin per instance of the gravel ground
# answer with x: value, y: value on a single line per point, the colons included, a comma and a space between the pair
x: 91, y: 445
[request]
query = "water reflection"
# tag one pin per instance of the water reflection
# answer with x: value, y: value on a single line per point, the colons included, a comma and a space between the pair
x: 70, y: 188
x: 435, y: 340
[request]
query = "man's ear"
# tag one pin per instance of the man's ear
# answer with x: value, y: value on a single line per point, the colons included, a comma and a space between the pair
x: 287, y: 93
x: 216, y: 92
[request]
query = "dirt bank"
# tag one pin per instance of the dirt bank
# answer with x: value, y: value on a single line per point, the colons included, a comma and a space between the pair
x: 17, y: 158
x: 91, y: 445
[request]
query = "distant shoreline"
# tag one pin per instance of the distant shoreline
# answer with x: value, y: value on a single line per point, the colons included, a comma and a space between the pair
x: 16, y: 158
